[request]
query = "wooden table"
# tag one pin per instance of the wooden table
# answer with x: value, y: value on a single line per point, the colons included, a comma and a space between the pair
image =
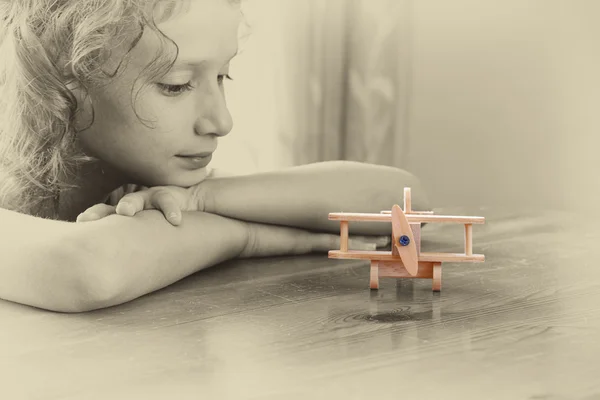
x: 523, y: 325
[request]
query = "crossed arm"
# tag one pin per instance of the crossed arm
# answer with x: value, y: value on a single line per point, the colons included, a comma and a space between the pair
x: 303, y: 196
x: 300, y: 197
x: 77, y: 267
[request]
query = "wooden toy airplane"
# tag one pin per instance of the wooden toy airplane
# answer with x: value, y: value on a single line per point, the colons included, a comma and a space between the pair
x: 406, y: 259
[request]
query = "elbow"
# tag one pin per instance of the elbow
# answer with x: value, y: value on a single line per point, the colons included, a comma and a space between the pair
x: 98, y: 286
x: 65, y: 286
x: 89, y: 296
x: 89, y: 285
x: 81, y: 292
x: 67, y: 272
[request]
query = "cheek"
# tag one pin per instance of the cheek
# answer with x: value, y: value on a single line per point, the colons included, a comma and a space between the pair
x: 169, y: 114
x: 120, y: 136
x: 142, y: 142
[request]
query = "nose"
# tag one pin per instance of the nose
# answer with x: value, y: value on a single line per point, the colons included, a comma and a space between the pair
x: 213, y: 115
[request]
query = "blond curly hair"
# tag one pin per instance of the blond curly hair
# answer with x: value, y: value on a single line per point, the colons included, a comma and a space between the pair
x: 41, y: 43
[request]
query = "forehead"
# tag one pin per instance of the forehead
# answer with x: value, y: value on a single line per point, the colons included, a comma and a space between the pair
x: 205, y: 31
x: 204, y: 28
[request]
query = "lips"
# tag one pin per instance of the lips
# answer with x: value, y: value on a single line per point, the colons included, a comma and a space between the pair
x: 195, y: 161
x: 196, y: 155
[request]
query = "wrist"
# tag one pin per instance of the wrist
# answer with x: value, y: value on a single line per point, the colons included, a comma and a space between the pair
x: 249, y: 242
x: 202, y: 196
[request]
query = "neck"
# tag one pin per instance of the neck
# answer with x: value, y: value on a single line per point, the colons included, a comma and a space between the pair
x: 92, y: 183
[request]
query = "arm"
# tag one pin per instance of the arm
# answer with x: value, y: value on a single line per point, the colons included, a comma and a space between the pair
x: 39, y: 263
x: 303, y: 196
x: 70, y: 267
x: 76, y: 267
x: 131, y: 257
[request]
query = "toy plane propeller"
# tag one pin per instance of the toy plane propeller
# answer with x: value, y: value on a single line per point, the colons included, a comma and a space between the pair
x: 403, y: 241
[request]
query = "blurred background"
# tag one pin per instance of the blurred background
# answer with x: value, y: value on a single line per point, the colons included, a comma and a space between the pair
x: 488, y: 102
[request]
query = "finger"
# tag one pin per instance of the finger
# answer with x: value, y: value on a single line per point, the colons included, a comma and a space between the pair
x: 166, y: 202
x: 383, y: 241
x: 96, y: 212
x: 357, y: 244
x: 132, y: 203
x: 318, y: 242
x: 326, y: 242
x: 380, y: 241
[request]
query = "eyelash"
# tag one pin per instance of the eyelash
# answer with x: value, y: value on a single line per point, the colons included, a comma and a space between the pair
x: 225, y: 76
x: 174, y: 90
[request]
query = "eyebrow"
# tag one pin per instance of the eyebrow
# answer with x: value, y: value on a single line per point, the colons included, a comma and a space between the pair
x: 195, y: 63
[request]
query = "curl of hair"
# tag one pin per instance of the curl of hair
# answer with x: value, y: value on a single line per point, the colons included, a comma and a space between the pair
x: 42, y: 42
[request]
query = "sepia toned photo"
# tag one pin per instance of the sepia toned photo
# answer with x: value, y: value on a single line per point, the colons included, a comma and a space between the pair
x: 299, y: 199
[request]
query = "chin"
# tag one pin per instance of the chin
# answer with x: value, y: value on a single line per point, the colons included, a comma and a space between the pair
x: 185, y: 178
x: 178, y: 177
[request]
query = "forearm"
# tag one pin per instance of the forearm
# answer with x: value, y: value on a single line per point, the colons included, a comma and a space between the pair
x: 303, y: 196
x: 123, y: 258
x: 130, y: 257
x: 39, y: 264
x: 77, y: 267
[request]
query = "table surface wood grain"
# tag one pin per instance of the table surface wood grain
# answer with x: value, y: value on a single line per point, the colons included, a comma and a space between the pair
x: 525, y: 324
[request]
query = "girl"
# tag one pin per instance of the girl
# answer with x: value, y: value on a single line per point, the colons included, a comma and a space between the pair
x: 95, y: 95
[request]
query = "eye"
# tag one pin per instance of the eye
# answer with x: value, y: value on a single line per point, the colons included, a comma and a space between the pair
x: 174, y: 90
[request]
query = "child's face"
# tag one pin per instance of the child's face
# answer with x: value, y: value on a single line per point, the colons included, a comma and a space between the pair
x: 177, y: 119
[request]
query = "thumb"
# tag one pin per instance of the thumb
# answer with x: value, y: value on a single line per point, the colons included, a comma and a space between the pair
x: 96, y: 212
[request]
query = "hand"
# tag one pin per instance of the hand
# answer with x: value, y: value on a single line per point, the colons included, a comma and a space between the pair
x: 272, y: 240
x: 171, y: 200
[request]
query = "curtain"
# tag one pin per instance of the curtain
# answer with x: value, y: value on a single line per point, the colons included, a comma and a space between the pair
x: 319, y: 80
x: 343, y: 86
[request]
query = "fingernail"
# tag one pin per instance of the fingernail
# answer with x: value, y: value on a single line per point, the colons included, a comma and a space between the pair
x: 174, y: 217
x: 125, y: 209
x: 87, y: 217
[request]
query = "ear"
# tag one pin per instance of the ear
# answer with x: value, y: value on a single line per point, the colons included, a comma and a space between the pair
x: 84, y: 113
x: 68, y: 77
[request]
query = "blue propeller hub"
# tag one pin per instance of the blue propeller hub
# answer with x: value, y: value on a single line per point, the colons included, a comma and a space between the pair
x: 404, y: 240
